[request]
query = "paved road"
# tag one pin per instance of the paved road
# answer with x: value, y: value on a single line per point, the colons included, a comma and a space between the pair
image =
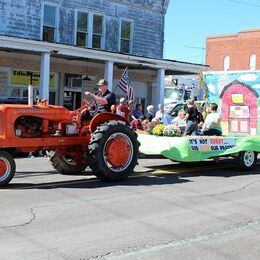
x: 164, y: 211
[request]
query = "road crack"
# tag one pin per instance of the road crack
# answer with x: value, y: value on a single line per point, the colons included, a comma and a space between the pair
x: 32, y: 218
x: 231, y: 191
x: 133, y: 251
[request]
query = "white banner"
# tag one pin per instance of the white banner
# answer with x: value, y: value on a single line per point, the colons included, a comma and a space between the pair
x: 211, y: 144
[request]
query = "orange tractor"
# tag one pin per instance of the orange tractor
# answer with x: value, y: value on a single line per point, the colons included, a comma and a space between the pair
x: 106, y: 143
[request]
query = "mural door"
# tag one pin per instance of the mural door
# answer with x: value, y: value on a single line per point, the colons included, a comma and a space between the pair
x: 239, y: 119
x: 239, y: 108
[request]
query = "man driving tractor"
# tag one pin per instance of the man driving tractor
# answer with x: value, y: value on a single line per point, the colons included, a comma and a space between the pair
x: 104, y: 100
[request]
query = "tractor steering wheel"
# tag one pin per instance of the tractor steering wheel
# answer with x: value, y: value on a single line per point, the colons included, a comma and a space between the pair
x: 91, y: 104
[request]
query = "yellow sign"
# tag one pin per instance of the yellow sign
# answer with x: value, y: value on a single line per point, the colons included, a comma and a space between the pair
x: 20, y: 77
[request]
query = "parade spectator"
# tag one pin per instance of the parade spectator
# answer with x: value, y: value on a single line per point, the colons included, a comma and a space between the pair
x: 191, y: 119
x: 212, y: 122
x: 122, y: 109
x: 137, y: 113
x: 200, y: 118
x: 160, y: 113
x: 131, y: 105
x: 180, y: 121
x: 150, y: 113
x: 137, y: 124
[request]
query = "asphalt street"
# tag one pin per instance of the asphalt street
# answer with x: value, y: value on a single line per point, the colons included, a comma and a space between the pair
x: 165, y: 210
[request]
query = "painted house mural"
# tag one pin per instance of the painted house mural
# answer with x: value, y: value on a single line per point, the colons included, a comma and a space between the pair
x: 238, y: 97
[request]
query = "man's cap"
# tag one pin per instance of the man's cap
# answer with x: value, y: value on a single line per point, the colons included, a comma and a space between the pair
x: 122, y: 100
x: 102, y: 82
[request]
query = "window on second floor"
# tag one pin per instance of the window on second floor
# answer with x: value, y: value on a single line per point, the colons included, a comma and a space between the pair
x: 126, y: 36
x: 226, y: 63
x: 82, y: 29
x: 49, y: 23
x: 252, y: 62
x: 89, y: 30
x: 97, y: 36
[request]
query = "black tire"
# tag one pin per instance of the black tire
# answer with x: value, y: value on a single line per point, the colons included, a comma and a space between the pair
x: 113, y: 151
x: 65, y: 165
x: 247, y: 160
x: 7, y: 168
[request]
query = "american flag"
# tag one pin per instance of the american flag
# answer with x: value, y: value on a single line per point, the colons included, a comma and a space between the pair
x: 126, y: 85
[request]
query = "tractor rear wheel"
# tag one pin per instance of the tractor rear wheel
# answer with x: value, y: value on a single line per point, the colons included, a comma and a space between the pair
x: 7, y: 168
x: 113, y: 151
x: 64, y: 164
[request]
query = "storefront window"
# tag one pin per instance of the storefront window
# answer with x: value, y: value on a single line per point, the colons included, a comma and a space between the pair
x: 52, y: 98
x: 72, y: 100
x: 3, y: 83
x: 15, y: 92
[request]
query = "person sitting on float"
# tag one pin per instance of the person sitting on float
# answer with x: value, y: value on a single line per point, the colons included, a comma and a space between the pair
x: 180, y: 121
x: 212, y: 125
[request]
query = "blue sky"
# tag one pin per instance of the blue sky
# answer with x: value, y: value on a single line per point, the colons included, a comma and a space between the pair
x: 189, y: 22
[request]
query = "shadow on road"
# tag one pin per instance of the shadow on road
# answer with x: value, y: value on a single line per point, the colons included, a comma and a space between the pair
x: 95, y: 183
x: 172, y: 173
x: 224, y: 168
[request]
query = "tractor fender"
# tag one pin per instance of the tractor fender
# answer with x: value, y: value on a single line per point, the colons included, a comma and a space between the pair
x: 104, y: 117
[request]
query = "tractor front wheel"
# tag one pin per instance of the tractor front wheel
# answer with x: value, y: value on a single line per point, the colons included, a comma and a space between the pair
x: 7, y: 168
x: 64, y: 164
x: 113, y: 151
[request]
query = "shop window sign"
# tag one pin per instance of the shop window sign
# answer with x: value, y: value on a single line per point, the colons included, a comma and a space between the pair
x: 20, y: 77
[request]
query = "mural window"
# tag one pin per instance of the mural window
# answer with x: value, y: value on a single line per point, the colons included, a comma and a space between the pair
x: 226, y: 63
x: 252, y: 62
x: 98, y: 30
x: 82, y: 29
x: 239, y: 112
x: 49, y: 23
x: 126, y: 36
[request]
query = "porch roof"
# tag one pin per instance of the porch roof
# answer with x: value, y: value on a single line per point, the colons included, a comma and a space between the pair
x: 172, y: 67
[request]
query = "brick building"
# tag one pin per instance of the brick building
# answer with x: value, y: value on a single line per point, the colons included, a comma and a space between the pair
x: 239, y: 51
x: 69, y: 44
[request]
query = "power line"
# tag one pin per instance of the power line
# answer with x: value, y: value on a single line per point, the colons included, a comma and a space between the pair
x: 202, y: 52
x: 243, y: 3
x: 194, y: 47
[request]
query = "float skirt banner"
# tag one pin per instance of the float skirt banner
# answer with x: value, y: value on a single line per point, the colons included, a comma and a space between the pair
x: 196, y: 148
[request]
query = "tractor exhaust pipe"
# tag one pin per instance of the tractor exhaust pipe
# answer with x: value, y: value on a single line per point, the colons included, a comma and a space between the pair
x: 30, y: 89
x: 30, y: 95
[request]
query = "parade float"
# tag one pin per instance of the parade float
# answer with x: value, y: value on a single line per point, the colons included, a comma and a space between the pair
x: 238, y: 96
